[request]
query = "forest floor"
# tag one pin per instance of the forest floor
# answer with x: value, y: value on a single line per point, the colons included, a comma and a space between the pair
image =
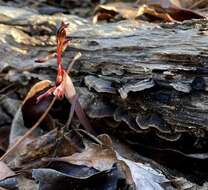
x: 104, y: 95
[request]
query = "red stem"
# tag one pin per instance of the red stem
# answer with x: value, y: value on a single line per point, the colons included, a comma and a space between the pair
x: 59, y: 63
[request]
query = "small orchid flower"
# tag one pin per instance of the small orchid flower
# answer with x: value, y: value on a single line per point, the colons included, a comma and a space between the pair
x: 61, y: 43
x: 64, y: 85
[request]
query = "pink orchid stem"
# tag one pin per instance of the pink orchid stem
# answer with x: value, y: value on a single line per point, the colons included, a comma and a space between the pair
x: 64, y: 85
x: 46, y: 94
x: 62, y: 42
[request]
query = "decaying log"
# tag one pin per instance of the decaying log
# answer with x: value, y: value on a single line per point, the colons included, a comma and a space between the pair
x: 146, y: 83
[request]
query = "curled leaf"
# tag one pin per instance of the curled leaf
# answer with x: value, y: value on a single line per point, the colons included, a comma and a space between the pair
x: 37, y: 88
x: 64, y: 176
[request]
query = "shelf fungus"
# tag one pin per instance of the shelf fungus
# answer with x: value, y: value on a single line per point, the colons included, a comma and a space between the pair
x: 123, y: 116
x: 135, y: 86
x: 99, y: 84
x: 99, y: 109
x: 153, y: 121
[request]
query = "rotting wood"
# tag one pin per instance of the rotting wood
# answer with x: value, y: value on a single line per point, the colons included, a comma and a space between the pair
x: 146, y: 83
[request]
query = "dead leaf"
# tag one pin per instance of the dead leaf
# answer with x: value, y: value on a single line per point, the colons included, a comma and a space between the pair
x: 146, y: 177
x: 111, y: 10
x: 8, y: 109
x: 96, y: 156
x: 94, y: 168
x: 33, y: 110
x: 5, y: 172
x: 190, y: 4
x: 167, y: 10
x: 103, y: 157
x: 45, y: 146
x: 63, y: 176
x: 18, y: 182
x: 37, y: 88
x: 154, y: 10
x: 27, y: 113
x: 106, y: 140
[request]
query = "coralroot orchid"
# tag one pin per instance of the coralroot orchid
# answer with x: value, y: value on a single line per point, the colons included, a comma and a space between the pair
x: 61, y: 43
x: 64, y: 85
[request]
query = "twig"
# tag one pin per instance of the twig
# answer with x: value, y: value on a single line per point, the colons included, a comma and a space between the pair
x: 92, y: 136
x: 76, y: 57
x: 71, y: 114
x: 11, y: 149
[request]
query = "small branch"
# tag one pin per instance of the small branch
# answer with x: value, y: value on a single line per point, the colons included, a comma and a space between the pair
x: 71, y: 114
x: 91, y: 136
x: 76, y: 57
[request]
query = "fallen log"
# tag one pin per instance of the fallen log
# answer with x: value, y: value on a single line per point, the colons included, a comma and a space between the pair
x: 145, y: 83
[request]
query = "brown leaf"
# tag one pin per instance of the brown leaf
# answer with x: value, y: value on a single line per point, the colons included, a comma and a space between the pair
x: 110, y: 10
x: 5, y: 171
x: 45, y: 146
x: 32, y: 109
x: 20, y: 135
x: 99, y: 156
x: 154, y: 13
x: 162, y: 10
x: 176, y: 3
x: 180, y: 14
x: 96, y: 156
x: 103, y: 157
x: 168, y: 10
x: 106, y: 140
x: 37, y: 88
